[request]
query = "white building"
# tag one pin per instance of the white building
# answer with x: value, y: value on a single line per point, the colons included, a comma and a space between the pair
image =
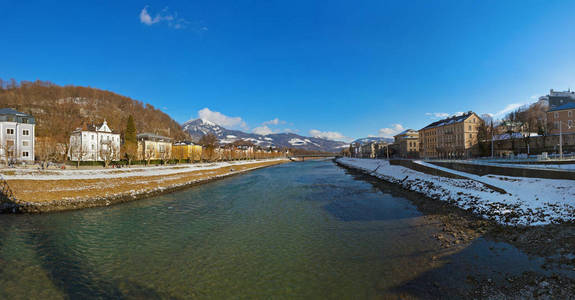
x: 93, y: 143
x: 16, y: 136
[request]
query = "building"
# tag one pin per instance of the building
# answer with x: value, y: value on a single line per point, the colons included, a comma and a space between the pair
x: 558, y: 98
x: 562, y: 119
x: 187, y: 150
x: 407, y: 144
x: 453, y: 137
x: 154, y: 147
x: 17, y: 136
x: 93, y: 143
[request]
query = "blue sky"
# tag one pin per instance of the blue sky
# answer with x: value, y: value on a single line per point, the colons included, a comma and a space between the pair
x: 341, y: 69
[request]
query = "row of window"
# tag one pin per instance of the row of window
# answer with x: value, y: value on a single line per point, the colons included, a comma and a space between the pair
x: 569, y: 114
x: 569, y: 124
x: 10, y: 131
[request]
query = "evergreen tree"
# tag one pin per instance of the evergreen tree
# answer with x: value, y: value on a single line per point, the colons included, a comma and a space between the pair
x: 130, y: 140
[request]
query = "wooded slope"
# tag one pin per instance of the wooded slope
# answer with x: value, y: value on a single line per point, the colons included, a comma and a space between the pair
x: 59, y: 110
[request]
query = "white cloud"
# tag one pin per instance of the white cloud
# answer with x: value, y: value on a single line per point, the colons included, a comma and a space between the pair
x: 390, y: 132
x: 328, y: 135
x: 509, y: 108
x: 221, y: 119
x: 275, y: 121
x: 263, y: 130
x: 171, y: 19
x: 439, y: 115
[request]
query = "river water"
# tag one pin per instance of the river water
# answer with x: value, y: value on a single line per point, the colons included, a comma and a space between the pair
x: 300, y: 230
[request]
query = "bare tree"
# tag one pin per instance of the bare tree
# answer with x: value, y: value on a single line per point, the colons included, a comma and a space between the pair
x: 108, y: 152
x: 149, y: 153
x: 78, y: 151
x: 46, y: 150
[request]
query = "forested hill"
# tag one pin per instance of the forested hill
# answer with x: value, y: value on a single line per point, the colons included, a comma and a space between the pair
x: 61, y: 109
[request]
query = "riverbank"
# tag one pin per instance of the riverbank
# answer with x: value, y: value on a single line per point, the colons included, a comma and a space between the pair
x: 38, y: 191
x: 462, y: 226
x: 522, y: 201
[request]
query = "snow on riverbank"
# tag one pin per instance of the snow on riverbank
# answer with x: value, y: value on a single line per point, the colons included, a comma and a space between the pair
x: 30, y: 174
x: 528, y: 201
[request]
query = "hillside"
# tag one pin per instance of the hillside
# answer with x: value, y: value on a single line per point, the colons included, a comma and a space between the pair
x: 373, y: 139
x: 199, y: 127
x: 61, y: 109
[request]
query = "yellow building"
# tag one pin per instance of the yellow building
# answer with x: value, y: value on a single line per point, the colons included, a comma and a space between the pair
x: 185, y: 150
x: 407, y: 143
x: 453, y: 137
x: 154, y: 147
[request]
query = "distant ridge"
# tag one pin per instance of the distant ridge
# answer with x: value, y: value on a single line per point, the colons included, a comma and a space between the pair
x: 197, y: 128
x: 373, y: 139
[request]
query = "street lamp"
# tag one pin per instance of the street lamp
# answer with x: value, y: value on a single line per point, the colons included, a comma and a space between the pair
x: 561, y: 138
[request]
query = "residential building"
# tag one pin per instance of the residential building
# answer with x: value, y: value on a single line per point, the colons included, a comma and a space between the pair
x: 187, y: 150
x: 374, y: 150
x: 558, y: 98
x: 407, y: 144
x: 453, y: 137
x: 16, y: 136
x: 562, y: 118
x: 153, y: 147
x: 93, y: 143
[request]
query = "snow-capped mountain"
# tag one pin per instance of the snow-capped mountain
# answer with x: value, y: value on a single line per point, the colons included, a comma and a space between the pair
x: 200, y: 127
x: 373, y: 139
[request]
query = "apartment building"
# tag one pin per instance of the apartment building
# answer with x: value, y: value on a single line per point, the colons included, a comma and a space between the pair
x: 562, y: 119
x: 153, y: 147
x: 406, y: 144
x: 16, y: 136
x: 453, y: 137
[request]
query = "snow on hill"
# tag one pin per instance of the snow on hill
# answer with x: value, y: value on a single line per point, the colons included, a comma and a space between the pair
x: 200, y: 127
x: 373, y: 139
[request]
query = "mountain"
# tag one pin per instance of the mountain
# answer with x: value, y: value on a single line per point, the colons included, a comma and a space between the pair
x: 200, y: 127
x: 373, y: 139
x: 59, y: 110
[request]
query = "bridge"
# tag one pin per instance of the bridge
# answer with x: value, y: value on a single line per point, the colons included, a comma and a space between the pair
x: 302, y: 157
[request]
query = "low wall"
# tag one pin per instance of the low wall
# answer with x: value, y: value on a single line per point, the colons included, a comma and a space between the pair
x: 482, y: 170
x: 432, y: 171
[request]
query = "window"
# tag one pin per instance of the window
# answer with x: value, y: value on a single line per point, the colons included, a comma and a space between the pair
x: 25, y: 143
x: 25, y: 154
x: 470, y: 136
x: 93, y: 146
x: 556, y: 125
x: 570, y: 113
x: 25, y: 132
x: 469, y: 127
x: 570, y: 123
x: 556, y: 115
x: 92, y: 137
x: 10, y: 131
x: 25, y: 120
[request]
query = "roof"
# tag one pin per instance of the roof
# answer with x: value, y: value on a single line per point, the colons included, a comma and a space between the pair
x: 152, y: 136
x: 569, y: 105
x: 406, y: 132
x: 450, y: 120
x: 10, y: 111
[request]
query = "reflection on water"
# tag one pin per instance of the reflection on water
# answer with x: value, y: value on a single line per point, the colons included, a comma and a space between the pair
x: 306, y: 230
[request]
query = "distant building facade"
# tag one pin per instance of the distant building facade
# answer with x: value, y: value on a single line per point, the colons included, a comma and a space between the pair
x: 558, y: 98
x: 16, y: 136
x: 187, y: 150
x: 153, y: 147
x: 562, y: 119
x: 407, y: 144
x: 93, y: 143
x: 453, y: 137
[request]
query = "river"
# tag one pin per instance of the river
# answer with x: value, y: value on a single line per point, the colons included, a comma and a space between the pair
x: 299, y: 230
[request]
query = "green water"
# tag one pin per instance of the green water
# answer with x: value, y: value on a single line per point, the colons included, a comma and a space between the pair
x: 300, y: 230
